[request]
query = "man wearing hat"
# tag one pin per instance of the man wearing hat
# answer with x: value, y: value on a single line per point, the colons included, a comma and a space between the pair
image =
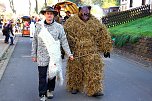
x: 40, y: 51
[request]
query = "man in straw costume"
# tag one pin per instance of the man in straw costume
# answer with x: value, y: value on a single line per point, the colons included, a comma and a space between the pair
x: 46, y: 51
x: 87, y: 38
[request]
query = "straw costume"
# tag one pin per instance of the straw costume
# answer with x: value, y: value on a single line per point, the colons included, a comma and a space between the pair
x: 87, y: 40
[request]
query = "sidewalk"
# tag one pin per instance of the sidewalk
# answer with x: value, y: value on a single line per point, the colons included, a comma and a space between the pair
x: 3, y: 46
x: 5, y: 53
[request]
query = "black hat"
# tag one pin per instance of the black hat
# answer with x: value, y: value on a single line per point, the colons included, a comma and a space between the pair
x: 48, y: 9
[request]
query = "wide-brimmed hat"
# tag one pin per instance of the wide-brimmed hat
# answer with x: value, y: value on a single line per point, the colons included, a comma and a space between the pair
x: 48, y: 9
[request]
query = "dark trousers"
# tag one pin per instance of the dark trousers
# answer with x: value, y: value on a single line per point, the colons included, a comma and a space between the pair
x: 44, y: 83
x: 11, y: 40
x: 6, y: 38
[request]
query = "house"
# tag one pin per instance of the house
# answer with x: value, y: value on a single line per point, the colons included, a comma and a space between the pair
x: 129, y: 4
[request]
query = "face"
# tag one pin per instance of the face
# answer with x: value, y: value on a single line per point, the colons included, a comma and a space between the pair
x: 49, y: 16
x: 84, y: 13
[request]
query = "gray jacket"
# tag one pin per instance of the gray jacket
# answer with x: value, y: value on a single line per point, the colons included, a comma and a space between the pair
x: 39, y: 49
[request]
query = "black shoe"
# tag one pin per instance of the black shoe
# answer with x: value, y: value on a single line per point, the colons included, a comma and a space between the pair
x: 98, y: 94
x: 74, y: 91
x: 12, y: 44
x: 6, y: 42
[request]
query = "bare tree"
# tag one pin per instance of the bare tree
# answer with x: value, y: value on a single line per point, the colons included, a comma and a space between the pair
x: 45, y: 3
x: 49, y: 2
x: 29, y: 7
x: 12, y: 6
x: 77, y: 2
x: 36, y: 8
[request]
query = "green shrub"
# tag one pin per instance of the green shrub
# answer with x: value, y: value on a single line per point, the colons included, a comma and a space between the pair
x: 131, y: 32
x: 121, y: 40
x: 134, y: 39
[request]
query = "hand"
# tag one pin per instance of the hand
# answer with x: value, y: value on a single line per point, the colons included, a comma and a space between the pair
x: 34, y: 59
x: 71, y: 57
x: 107, y: 54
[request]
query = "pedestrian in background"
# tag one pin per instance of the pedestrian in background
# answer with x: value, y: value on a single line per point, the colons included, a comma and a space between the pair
x: 68, y: 14
x: 40, y: 53
x: 11, y: 32
x: 32, y: 29
x: 5, y: 32
x: 8, y: 32
x: 58, y: 17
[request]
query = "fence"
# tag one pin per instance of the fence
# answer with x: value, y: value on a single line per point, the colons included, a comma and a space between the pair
x: 118, y: 18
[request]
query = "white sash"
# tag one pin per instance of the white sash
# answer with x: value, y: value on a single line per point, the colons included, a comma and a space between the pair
x: 53, y: 48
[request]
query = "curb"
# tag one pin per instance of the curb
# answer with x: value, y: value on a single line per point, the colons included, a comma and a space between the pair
x: 8, y: 50
x: 5, y: 49
x: 3, y: 52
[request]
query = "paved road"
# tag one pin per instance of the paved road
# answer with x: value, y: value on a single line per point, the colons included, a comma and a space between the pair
x: 124, y: 80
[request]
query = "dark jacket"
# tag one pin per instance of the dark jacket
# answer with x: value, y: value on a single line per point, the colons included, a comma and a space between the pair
x: 7, y: 29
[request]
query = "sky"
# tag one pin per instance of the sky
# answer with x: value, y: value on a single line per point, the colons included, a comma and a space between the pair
x: 22, y: 6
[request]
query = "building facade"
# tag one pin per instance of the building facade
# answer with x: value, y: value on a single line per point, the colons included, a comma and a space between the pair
x: 129, y: 4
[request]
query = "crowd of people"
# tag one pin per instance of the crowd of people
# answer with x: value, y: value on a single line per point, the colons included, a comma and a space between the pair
x: 12, y: 26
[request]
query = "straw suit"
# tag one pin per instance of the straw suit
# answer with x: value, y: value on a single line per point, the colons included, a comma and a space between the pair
x: 87, y: 40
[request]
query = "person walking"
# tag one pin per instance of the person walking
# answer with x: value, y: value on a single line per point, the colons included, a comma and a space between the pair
x: 88, y: 38
x: 8, y: 32
x: 11, y: 34
x: 47, y: 31
x: 5, y: 32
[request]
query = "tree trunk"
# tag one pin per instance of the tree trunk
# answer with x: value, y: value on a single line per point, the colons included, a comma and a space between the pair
x: 45, y: 3
x: 29, y: 7
x: 36, y: 7
x: 12, y: 6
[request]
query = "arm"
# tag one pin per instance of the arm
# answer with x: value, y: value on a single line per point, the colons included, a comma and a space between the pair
x: 11, y: 29
x: 104, y: 41
x: 34, y: 45
x: 64, y: 42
